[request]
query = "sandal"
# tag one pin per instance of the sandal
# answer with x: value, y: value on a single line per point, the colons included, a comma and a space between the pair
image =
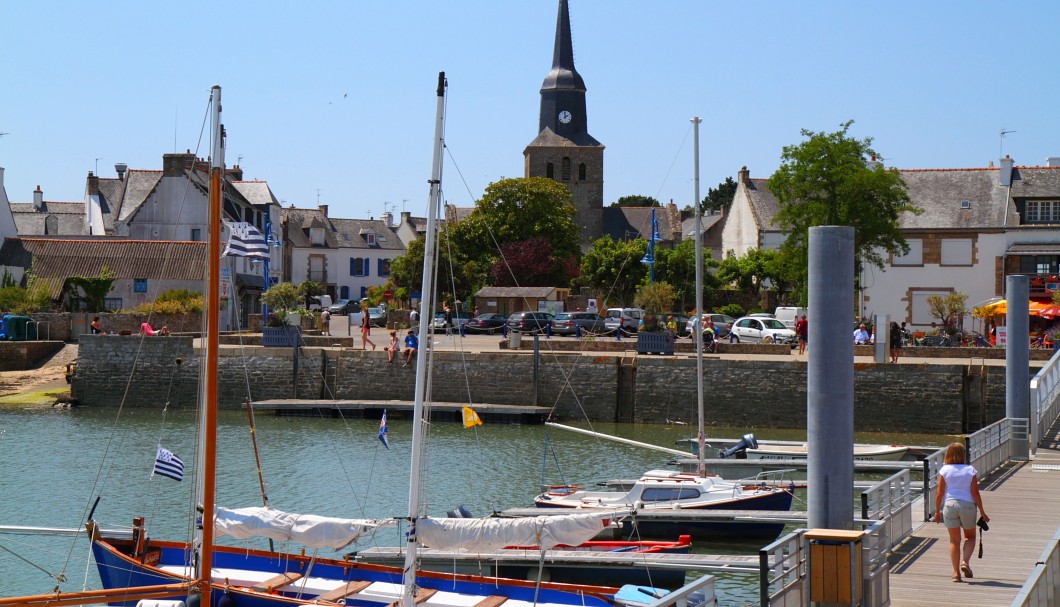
x: 966, y: 570
x: 956, y: 577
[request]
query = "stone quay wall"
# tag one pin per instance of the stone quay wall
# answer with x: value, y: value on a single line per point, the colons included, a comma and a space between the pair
x: 930, y: 398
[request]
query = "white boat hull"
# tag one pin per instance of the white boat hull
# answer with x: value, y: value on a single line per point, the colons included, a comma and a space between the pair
x: 873, y: 453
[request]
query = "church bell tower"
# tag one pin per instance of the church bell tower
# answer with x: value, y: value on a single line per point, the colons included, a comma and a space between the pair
x: 563, y: 149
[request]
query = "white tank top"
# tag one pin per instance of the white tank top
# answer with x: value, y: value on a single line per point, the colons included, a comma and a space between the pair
x: 958, y: 481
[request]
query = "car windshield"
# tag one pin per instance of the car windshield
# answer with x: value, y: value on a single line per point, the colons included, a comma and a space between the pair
x: 563, y: 316
x: 772, y: 323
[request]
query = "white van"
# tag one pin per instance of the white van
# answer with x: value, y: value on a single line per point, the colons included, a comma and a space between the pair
x: 788, y: 315
x: 628, y: 319
x: 320, y: 302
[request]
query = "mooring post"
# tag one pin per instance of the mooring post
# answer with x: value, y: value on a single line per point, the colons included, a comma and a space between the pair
x: 1017, y: 355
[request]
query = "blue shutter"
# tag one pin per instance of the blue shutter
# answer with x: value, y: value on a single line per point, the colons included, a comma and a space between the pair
x: 344, y: 293
x: 353, y: 267
x: 364, y: 292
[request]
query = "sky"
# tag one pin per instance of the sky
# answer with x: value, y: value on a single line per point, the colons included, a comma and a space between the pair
x: 333, y: 102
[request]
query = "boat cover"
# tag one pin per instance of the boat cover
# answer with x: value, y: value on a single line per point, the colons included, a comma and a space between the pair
x: 484, y: 534
x: 307, y: 529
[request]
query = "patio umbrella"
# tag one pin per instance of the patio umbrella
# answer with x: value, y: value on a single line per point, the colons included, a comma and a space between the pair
x: 1050, y: 312
x: 1001, y: 307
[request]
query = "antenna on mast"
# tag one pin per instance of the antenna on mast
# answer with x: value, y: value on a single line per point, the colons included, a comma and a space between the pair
x: 1001, y: 146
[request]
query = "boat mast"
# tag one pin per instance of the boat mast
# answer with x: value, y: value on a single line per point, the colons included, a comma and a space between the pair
x: 408, y: 598
x: 208, y: 415
x: 701, y: 468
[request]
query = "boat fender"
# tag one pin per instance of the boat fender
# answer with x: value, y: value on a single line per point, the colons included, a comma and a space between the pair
x: 194, y: 599
x: 676, y: 506
x: 638, y: 505
x: 226, y: 600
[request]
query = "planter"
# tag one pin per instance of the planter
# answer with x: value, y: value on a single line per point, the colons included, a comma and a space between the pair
x: 281, y: 336
x: 655, y: 342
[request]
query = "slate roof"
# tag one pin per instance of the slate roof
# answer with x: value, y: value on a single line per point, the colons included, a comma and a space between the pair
x: 763, y: 204
x: 549, y: 139
x: 69, y: 218
x: 256, y: 191
x: 338, y: 233
x: 53, y: 260
x: 130, y: 194
x: 528, y: 292
x: 626, y: 223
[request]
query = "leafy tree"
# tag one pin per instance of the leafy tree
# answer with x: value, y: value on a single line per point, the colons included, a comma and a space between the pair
x: 8, y: 280
x: 749, y: 271
x: 614, y: 268
x: 528, y: 264
x: 949, y: 308
x: 91, y: 289
x: 636, y: 201
x: 655, y: 298
x: 720, y: 197
x: 825, y: 180
x: 457, y: 273
x: 677, y: 266
x: 12, y: 298
x: 310, y: 289
x: 282, y: 298
x: 732, y: 309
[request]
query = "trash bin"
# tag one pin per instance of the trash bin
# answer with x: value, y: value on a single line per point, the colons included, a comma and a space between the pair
x: 515, y: 340
x: 835, y: 566
x: 3, y: 327
x: 17, y: 328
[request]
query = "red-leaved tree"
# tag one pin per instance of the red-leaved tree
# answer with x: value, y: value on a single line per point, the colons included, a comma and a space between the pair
x: 528, y: 263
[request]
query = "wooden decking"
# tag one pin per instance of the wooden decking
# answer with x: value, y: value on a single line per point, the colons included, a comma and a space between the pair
x: 1023, y: 501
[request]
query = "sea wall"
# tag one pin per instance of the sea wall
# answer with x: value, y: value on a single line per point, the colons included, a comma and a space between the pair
x: 921, y: 397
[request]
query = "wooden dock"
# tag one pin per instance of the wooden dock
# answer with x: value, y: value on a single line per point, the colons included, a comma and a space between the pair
x: 1021, y: 500
x: 399, y: 409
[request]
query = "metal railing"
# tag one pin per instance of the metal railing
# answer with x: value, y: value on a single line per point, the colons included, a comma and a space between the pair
x: 1042, y: 588
x: 697, y: 593
x: 891, y: 502
x: 784, y: 569
x: 1045, y: 399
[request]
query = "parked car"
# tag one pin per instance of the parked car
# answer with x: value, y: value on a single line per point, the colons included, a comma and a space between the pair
x: 459, y: 318
x: 343, y: 307
x: 759, y: 329
x: 722, y: 324
x: 489, y: 322
x: 565, y: 323
x: 628, y: 319
x: 789, y: 314
x: 529, y: 322
x: 376, y: 315
x: 679, y: 318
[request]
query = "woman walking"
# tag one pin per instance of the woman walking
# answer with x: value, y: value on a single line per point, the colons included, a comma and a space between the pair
x: 896, y: 341
x: 956, y: 503
x: 366, y: 329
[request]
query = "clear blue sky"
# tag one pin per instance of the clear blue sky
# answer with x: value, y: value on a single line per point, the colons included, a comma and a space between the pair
x: 338, y: 97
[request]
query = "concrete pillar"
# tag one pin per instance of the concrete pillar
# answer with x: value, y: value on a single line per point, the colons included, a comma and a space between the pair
x: 1017, y: 352
x: 830, y: 378
x: 881, y: 326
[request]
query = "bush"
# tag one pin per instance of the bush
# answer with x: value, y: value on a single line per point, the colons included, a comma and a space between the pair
x: 173, y: 301
x: 732, y: 309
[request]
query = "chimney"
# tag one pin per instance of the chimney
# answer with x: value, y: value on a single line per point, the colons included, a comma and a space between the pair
x: 323, y: 209
x: 1052, y: 161
x: 173, y: 165
x: 1005, y: 176
x: 38, y: 199
x: 872, y: 164
x: 406, y: 217
x: 93, y: 184
x: 388, y: 219
x: 744, y: 176
x: 120, y: 168
x: 235, y: 173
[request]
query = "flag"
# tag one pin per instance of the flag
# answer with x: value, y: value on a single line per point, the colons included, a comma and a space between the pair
x: 168, y: 464
x: 382, y: 431
x: 471, y: 418
x: 245, y: 240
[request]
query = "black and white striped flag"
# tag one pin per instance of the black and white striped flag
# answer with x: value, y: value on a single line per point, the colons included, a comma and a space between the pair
x: 168, y: 464
x: 245, y: 240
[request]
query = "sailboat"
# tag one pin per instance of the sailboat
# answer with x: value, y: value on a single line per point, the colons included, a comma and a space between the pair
x: 141, y: 566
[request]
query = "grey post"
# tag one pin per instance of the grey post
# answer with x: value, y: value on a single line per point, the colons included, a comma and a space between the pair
x: 1017, y: 353
x: 830, y: 378
x: 881, y: 326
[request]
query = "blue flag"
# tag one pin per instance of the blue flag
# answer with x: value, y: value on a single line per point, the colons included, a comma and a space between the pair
x: 382, y: 431
x: 168, y: 464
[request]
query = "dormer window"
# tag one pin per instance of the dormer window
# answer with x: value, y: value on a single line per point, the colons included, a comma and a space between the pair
x: 316, y: 237
x: 369, y: 237
x: 1042, y: 211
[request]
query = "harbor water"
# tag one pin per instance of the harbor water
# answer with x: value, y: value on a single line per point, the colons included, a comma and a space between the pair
x: 55, y: 463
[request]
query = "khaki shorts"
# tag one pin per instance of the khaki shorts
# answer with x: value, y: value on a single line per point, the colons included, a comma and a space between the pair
x: 959, y: 513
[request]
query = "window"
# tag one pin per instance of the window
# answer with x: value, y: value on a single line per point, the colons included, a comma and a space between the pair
x: 384, y: 267
x: 956, y: 252
x: 566, y: 169
x: 662, y: 494
x: 915, y: 257
x: 921, y: 310
x: 1042, y: 211
x: 111, y: 303
x: 196, y: 234
x: 344, y: 293
x: 359, y: 266
x: 139, y: 285
x: 581, y: 172
x: 316, y: 237
x: 550, y: 171
x: 369, y: 238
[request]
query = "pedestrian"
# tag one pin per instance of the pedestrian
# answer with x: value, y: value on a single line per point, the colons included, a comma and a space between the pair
x: 802, y: 331
x: 366, y: 329
x: 325, y: 321
x: 97, y: 327
x: 448, y: 320
x: 391, y: 347
x: 896, y: 341
x: 671, y: 326
x: 956, y: 501
x: 414, y: 317
x: 411, y: 344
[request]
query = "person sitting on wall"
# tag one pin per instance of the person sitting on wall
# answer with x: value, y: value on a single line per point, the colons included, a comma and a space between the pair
x: 97, y: 328
x: 145, y: 329
x: 861, y: 336
x: 164, y: 331
x: 411, y: 344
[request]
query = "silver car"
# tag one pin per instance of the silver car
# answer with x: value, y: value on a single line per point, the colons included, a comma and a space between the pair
x: 765, y: 330
x: 722, y: 324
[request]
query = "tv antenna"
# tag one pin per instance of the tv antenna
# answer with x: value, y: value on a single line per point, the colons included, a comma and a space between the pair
x: 239, y: 160
x: 1001, y: 146
x: 97, y: 166
x: 318, y: 196
x: 2, y: 134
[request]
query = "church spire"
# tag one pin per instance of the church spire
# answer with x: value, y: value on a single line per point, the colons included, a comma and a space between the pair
x: 563, y: 91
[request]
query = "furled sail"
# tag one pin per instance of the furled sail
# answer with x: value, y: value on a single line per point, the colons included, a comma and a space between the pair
x: 484, y: 534
x: 307, y: 529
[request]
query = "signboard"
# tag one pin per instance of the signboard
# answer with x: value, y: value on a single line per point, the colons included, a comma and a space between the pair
x: 224, y: 288
x: 388, y: 294
x: 591, y: 306
x: 226, y: 273
x: 1001, y: 333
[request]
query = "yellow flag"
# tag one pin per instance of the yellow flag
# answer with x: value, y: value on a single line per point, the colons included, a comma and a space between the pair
x: 471, y: 418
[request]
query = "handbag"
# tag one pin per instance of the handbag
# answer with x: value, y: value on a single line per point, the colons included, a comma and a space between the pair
x: 983, y: 527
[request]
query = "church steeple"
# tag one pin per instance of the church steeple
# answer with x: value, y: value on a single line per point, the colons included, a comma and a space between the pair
x: 563, y: 91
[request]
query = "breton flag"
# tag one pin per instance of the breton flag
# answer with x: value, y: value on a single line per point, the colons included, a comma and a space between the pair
x: 245, y: 240
x: 382, y: 431
x: 168, y: 464
x: 471, y: 418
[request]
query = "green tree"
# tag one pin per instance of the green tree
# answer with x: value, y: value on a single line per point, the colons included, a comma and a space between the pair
x: 310, y: 289
x: 636, y: 201
x: 950, y: 309
x: 826, y: 180
x: 282, y: 298
x: 677, y: 266
x: 720, y: 198
x: 91, y: 289
x: 655, y: 298
x: 456, y: 272
x: 614, y: 268
x: 749, y: 271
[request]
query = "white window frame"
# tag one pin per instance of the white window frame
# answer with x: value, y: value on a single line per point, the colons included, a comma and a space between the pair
x: 956, y: 252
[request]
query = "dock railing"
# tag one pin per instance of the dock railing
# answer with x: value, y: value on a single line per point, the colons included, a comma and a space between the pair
x: 698, y: 592
x: 1042, y: 588
x: 1045, y: 399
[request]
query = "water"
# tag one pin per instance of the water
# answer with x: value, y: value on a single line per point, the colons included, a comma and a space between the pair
x: 54, y: 463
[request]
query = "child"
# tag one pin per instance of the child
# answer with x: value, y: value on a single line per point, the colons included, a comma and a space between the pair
x: 391, y: 348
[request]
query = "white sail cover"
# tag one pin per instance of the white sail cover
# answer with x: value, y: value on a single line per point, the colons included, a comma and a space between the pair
x: 307, y: 529
x: 485, y: 534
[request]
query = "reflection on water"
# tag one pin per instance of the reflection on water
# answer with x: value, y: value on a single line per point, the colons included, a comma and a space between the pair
x: 54, y: 463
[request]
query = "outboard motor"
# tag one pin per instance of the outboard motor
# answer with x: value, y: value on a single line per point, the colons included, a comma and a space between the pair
x: 739, y: 449
x: 459, y: 512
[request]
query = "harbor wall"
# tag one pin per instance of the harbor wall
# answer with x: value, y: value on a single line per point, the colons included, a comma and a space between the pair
x: 916, y: 397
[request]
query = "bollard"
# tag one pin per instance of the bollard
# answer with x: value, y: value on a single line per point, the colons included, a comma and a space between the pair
x: 577, y: 331
x: 618, y: 333
x: 548, y: 331
x: 463, y: 327
x: 504, y: 330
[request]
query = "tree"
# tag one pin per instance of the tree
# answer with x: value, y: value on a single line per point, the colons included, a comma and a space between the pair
x: 281, y: 298
x: 677, y: 266
x: 950, y: 309
x: 457, y: 273
x: 92, y: 290
x: 614, y: 268
x: 720, y: 198
x: 825, y: 180
x: 749, y: 271
x: 310, y: 289
x: 636, y: 201
x: 655, y: 298
x: 528, y: 264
